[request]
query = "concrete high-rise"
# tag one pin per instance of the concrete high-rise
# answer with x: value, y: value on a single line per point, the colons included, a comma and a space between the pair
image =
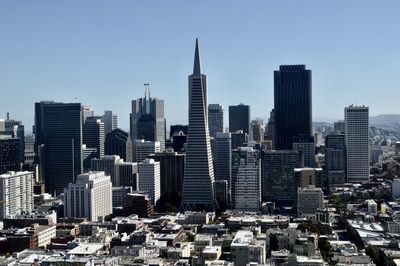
x: 239, y: 118
x: 357, y: 143
x: 121, y: 173
x: 142, y: 149
x: 16, y: 193
x: 118, y: 142
x: 223, y: 157
x: 149, y: 179
x: 257, y: 130
x: 293, y: 104
x: 279, y: 183
x: 89, y: 197
x: 335, y: 159
x: 198, y: 183
x: 147, y: 119
x: 215, y: 119
x: 110, y: 120
x: 246, y: 179
x: 58, y: 142
x: 93, y: 135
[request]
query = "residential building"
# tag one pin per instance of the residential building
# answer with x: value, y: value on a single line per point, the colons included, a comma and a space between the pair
x: 335, y: 159
x: 149, y: 179
x: 245, y: 248
x: 16, y: 193
x: 309, y: 200
x: 89, y: 197
x: 246, y: 179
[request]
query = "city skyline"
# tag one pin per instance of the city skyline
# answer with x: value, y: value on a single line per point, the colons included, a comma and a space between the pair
x: 101, y: 58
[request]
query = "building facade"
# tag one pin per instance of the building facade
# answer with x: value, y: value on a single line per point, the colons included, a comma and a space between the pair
x: 118, y: 142
x: 198, y: 183
x: 293, y: 104
x: 215, y: 119
x: 58, y: 142
x: 16, y: 193
x: 357, y: 143
x: 89, y: 197
x: 246, y: 179
x: 239, y: 118
x: 93, y: 135
x: 149, y: 179
x: 147, y: 120
x: 335, y: 159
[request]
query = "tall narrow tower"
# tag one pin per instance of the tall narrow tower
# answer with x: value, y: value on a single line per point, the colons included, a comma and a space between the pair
x: 198, y: 183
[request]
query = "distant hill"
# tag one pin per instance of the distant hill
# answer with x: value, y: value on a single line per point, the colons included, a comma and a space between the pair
x: 385, y: 119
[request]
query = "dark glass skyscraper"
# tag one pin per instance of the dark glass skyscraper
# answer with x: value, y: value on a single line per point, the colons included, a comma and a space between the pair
x: 58, y: 136
x: 293, y: 104
x: 198, y: 183
x: 118, y: 142
x: 93, y: 135
x: 9, y: 154
x: 239, y: 118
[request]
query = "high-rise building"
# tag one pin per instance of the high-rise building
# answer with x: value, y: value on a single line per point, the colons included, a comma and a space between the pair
x: 93, y: 135
x: 222, y: 194
x: 257, y: 130
x: 215, y: 119
x: 172, y: 165
x: 246, y: 179
x: 335, y: 159
x: 309, y: 200
x: 16, y: 193
x: 279, y: 183
x: 110, y: 120
x: 239, y: 139
x: 118, y: 142
x: 306, y: 147
x: 137, y: 203
x: 142, y: 149
x: 223, y: 157
x: 339, y: 127
x: 89, y: 197
x: 149, y: 179
x: 58, y: 142
x: 15, y: 129
x: 87, y: 155
x: 87, y: 111
x: 121, y: 173
x: 309, y: 177
x: 147, y: 119
x: 9, y: 154
x: 239, y: 118
x: 270, y: 131
x: 293, y: 104
x: 357, y: 143
x: 198, y: 183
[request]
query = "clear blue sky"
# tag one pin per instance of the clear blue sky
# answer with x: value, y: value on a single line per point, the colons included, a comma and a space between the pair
x: 103, y: 51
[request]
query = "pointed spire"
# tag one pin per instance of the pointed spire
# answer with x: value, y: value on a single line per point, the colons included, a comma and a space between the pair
x: 197, y: 66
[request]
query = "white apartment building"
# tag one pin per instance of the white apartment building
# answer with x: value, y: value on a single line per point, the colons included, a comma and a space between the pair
x: 149, y: 179
x: 245, y: 249
x: 90, y: 197
x: 16, y: 193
